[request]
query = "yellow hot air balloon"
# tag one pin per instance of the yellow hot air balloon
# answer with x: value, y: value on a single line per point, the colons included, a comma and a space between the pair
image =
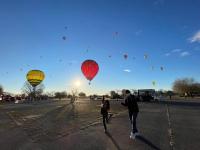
x: 35, y: 77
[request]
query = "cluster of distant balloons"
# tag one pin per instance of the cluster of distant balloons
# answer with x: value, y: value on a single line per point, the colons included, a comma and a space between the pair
x: 89, y: 68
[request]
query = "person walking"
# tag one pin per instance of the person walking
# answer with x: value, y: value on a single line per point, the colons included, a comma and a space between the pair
x: 133, y: 110
x: 105, y: 107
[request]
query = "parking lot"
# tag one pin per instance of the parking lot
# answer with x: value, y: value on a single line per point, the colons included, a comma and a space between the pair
x: 61, y: 125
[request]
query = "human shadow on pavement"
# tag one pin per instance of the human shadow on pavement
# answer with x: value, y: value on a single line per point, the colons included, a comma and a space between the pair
x: 146, y: 141
x: 113, y: 140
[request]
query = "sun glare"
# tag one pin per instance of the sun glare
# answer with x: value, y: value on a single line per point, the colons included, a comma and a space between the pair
x: 77, y: 83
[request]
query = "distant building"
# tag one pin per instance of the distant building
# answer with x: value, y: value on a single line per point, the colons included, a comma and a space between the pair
x: 146, y: 94
x: 146, y: 91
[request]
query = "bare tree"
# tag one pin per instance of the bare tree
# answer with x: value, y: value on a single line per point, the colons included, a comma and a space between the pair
x: 82, y: 94
x: 124, y: 93
x: 61, y: 95
x: 31, y: 91
x: 1, y: 90
x: 186, y: 86
x: 74, y: 93
x: 114, y: 95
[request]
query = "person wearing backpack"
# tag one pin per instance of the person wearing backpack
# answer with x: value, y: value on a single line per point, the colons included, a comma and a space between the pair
x: 105, y: 107
x: 133, y: 110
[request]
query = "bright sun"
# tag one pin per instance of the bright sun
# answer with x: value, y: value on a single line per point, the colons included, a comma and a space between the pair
x: 77, y: 83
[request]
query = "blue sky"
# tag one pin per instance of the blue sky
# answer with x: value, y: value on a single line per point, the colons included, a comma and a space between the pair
x: 166, y: 31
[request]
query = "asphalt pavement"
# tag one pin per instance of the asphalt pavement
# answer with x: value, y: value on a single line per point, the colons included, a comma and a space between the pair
x: 165, y: 125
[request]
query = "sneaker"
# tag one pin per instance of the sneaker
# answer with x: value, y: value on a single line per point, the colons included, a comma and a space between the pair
x: 132, y: 136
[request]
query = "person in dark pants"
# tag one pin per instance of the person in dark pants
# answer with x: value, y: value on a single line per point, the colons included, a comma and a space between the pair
x: 105, y: 106
x: 131, y: 103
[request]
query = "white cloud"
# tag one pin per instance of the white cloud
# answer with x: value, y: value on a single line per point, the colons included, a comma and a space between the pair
x: 176, y: 50
x: 173, y: 51
x: 185, y: 53
x: 195, y: 37
x: 127, y: 70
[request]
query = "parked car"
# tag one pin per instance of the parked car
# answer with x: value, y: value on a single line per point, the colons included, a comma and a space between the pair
x: 146, y: 94
x: 8, y: 98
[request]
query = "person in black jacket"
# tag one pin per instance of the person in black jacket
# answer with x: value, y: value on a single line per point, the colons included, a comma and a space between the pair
x: 105, y: 106
x: 131, y: 103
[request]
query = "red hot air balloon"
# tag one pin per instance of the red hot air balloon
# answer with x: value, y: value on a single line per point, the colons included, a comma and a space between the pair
x: 90, y: 69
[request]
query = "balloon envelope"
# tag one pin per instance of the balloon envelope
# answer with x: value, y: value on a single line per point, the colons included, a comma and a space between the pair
x: 154, y: 83
x: 64, y: 38
x: 35, y: 77
x: 145, y: 56
x: 125, y: 56
x: 90, y: 69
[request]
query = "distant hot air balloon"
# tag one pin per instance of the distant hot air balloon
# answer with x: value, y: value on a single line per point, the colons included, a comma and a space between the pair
x: 35, y: 77
x: 154, y: 83
x: 161, y: 68
x: 145, y: 56
x: 64, y: 38
x: 90, y: 69
x: 125, y: 56
x: 115, y: 33
x: 87, y: 50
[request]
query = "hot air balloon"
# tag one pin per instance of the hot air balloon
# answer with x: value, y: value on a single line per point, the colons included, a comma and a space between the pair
x: 64, y: 38
x: 125, y: 56
x: 145, y: 56
x: 89, y: 69
x: 161, y: 68
x: 115, y: 33
x: 154, y: 83
x: 35, y: 77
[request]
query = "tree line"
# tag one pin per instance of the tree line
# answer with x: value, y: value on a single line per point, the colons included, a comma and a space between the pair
x: 183, y: 87
x: 186, y: 87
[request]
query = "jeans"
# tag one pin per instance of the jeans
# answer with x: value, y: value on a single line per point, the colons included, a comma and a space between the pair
x: 105, y: 119
x: 133, y: 117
